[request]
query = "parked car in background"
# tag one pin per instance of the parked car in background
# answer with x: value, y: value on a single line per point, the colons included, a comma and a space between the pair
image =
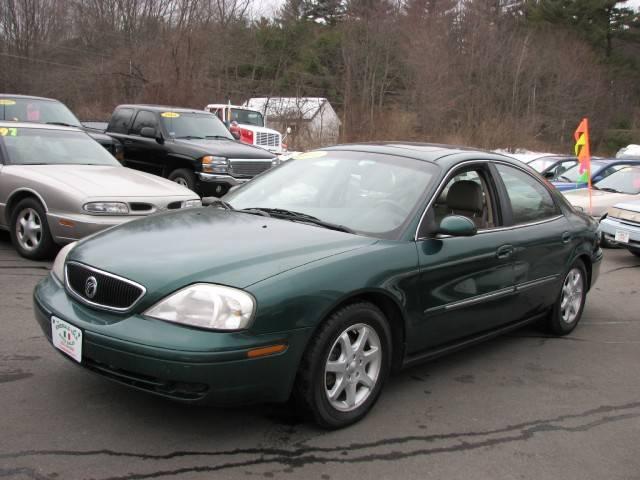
x: 600, y: 168
x: 552, y: 167
x: 24, y: 108
x: 190, y: 147
x: 321, y: 276
x: 58, y: 185
x: 622, y: 226
x: 623, y: 185
x: 248, y: 126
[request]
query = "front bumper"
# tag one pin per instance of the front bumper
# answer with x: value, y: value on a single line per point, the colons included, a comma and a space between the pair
x: 71, y: 227
x: 609, y: 226
x: 173, y: 361
x: 221, y: 179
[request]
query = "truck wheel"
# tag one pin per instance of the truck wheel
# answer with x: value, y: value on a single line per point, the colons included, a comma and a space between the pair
x: 184, y: 177
x: 345, y: 366
x: 30, y: 231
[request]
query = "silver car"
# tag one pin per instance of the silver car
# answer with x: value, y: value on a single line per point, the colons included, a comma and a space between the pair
x: 58, y: 185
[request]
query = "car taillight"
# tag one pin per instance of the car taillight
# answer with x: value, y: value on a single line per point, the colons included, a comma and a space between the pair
x: 246, y: 136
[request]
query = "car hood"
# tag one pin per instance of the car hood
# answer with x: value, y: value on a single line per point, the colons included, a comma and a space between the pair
x: 102, y: 181
x: 168, y: 251
x: 226, y: 148
x: 600, y: 200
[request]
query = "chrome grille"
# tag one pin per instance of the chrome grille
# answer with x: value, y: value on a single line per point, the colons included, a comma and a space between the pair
x: 265, y: 139
x: 249, y: 168
x: 111, y: 292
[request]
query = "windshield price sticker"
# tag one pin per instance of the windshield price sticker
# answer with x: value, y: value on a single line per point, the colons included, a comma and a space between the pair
x: 307, y: 155
x: 169, y: 114
x: 7, y: 101
x: 8, y: 132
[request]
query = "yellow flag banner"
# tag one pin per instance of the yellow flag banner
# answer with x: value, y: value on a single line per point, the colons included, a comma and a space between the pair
x: 583, y: 152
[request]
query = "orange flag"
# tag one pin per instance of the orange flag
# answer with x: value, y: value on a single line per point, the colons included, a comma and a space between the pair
x: 583, y: 152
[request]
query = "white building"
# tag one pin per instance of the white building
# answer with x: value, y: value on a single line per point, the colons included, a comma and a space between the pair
x: 313, y: 120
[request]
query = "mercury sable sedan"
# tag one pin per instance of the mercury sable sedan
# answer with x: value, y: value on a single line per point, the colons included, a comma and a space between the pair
x: 323, y: 276
x: 58, y: 185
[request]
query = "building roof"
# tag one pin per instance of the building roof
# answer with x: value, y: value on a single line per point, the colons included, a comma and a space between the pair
x: 304, y: 108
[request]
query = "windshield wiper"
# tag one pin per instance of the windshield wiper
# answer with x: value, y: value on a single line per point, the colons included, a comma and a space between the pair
x: 566, y: 179
x: 217, y: 136
x: 607, y: 189
x: 190, y: 137
x: 300, y: 217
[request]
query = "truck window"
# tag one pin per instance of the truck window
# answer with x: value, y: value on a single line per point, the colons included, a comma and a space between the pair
x: 143, y: 119
x: 120, y: 120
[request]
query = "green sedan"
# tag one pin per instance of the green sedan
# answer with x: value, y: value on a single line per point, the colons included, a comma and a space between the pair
x: 322, y: 276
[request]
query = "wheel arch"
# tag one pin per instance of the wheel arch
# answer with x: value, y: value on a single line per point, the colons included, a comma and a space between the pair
x: 586, y: 260
x: 391, y: 309
x: 17, y: 196
x: 176, y: 162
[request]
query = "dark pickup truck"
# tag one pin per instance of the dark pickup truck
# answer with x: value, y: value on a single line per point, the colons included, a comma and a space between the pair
x: 190, y: 147
x: 25, y: 108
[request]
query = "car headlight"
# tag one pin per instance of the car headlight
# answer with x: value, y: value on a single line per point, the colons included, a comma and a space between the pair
x: 106, y: 208
x: 211, y: 164
x: 191, y: 203
x: 58, y: 264
x: 614, y: 212
x: 208, y: 306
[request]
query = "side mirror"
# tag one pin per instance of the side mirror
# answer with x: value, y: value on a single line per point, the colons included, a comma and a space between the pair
x: 550, y: 174
x: 148, y: 132
x: 457, y: 226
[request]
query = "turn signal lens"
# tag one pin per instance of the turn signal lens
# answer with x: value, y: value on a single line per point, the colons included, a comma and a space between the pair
x: 264, y: 351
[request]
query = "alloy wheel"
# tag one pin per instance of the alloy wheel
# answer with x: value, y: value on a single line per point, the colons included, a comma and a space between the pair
x: 572, y: 293
x: 353, y: 367
x: 29, y: 229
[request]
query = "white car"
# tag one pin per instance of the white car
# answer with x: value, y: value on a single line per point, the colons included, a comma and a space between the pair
x: 58, y: 185
x: 621, y: 186
x: 622, y: 226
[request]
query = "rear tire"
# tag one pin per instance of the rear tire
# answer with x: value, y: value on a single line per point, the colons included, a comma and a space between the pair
x: 345, y: 366
x: 567, y: 310
x: 184, y: 177
x: 30, y: 231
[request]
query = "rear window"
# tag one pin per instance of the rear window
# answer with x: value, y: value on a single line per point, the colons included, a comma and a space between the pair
x: 120, y: 120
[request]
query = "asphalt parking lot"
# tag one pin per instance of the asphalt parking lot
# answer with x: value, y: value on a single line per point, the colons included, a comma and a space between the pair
x: 524, y: 406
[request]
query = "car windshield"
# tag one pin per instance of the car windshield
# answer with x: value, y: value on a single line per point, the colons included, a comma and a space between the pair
x: 573, y: 174
x: 38, y: 111
x: 625, y: 180
x: 40, y: 146
x: 540, y: 164
x: 372, y: 194
x: 247, y: 117
x: 194, y: 125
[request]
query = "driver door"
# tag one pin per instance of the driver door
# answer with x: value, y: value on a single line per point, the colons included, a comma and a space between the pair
x: 465, y: 284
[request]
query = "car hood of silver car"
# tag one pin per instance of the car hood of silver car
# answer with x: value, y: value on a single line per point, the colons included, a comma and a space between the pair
x: 100, y: 180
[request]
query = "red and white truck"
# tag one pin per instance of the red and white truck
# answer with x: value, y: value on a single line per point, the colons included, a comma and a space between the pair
x: 249, y: 127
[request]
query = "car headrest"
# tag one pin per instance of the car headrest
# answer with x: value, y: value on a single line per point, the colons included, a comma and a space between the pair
x: 465, y: 195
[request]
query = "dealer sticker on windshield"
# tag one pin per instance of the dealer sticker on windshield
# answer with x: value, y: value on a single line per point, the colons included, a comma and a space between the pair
x: 7, y: 101
x: 622, y: 236
x: 8, y: 132
x: 169, y: 114
x: 66, y: 338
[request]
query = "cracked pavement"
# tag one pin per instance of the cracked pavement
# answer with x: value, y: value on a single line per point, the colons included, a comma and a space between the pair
x: 523, y: 406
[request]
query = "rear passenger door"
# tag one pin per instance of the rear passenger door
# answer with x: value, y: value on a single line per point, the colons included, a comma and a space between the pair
x: 541, y: 238
x: 144, y: 153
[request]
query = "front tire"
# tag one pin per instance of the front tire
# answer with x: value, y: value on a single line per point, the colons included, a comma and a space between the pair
x: 345, y: 366
x: 568, y: 309
x: 184, y: 177
x: 30, y: 231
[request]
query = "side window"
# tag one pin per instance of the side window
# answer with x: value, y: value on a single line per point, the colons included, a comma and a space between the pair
x: 530, y: 200
x: 119, y: 122
x: 143, y: 119
x: 467, y: 194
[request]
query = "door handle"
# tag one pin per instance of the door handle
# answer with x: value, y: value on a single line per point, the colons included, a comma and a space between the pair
x: 504, y: 251
x: 566, y: 237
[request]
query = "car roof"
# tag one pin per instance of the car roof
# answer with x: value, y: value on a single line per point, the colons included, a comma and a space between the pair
x: 428, y: 152
x: 39, y: 126
x: 27, y: 97
x: 224, y: 105
x: 162, y: 108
